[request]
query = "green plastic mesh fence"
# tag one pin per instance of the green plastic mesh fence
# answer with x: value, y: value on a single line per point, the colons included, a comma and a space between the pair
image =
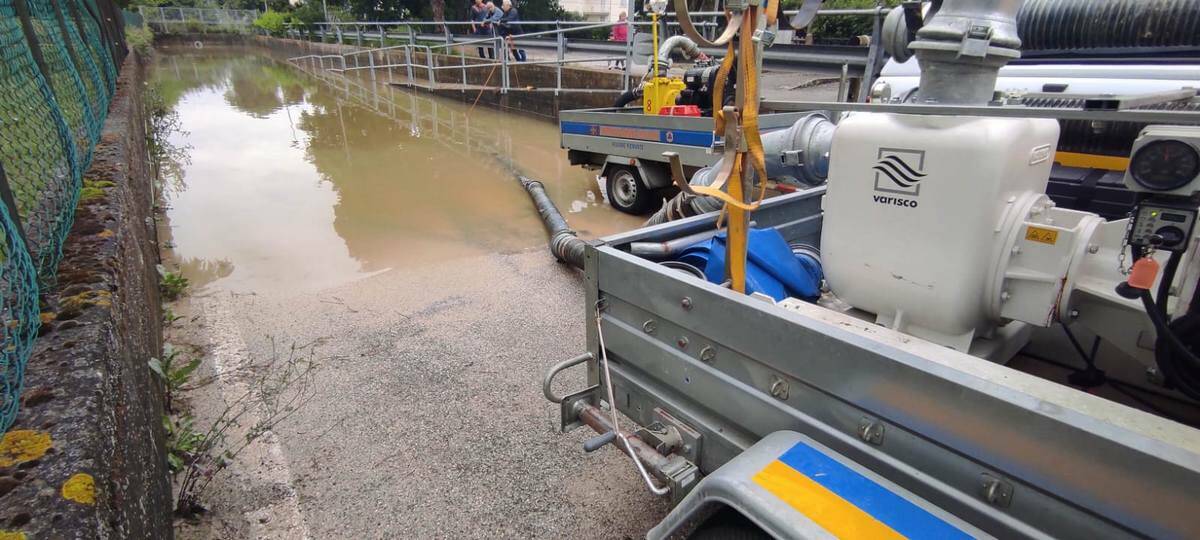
x: 57, y: 78
x: 19, y: 310
x: 65, y: 81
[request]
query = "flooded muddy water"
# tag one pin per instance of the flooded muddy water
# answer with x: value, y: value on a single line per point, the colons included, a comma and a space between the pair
x: 277, y: 180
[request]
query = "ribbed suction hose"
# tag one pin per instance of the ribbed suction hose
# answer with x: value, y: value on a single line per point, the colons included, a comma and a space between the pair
x: 683, y: 43
x: 564, y: 245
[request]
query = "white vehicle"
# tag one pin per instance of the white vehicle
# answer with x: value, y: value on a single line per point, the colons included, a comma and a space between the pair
x: 898, y: 81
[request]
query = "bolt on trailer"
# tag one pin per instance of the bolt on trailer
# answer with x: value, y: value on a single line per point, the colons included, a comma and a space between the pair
x: 924, y: 377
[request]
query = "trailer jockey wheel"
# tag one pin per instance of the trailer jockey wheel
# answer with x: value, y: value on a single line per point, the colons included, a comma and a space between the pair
x: 627, y: 191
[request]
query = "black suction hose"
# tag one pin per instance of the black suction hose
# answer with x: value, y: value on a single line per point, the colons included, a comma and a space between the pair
x: 1125, y: 25
x: 624, y: 99
x: 564, y: 245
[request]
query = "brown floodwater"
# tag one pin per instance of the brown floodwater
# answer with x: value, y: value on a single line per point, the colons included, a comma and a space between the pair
x: 278, y: 181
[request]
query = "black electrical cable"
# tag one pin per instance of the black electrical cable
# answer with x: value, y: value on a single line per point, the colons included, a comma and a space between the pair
x: 1171, y: 353
x: 1164, y: 284
x: 1090, y: 376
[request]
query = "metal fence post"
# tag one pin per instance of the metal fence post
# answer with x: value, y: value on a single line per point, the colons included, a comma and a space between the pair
x: 408, y: 63
x: 6, y: 196
x: 874, y: 56
x: 462, y: 60
x: 338, y: 29
x: 358, y: 35
x: 502, y: 54
x: 371, y: 61
x: 429, y: 65
x: 560, y: 45
x: 382, y: 43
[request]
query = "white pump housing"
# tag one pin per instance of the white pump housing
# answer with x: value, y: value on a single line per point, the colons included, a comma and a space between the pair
x: 940, y: 225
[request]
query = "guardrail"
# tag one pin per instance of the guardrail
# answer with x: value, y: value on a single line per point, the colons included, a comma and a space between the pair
x: 168, y: 16
x: 431, y: 36
x: 381, y: 58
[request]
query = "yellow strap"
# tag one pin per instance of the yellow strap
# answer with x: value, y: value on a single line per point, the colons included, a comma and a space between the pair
x: 718, y: 93
x: 772, y: 12
x: 685, y: 22
x: 750, y: 107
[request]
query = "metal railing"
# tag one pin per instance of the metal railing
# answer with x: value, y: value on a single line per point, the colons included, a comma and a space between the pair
x: 166, y: 17
x: 384, y: 57
x: 432, y: 39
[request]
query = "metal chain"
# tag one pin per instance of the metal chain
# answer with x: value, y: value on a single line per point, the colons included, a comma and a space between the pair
x: 1124, y: 246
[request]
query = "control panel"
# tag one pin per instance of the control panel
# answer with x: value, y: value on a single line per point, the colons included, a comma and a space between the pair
x: 1163, y: 225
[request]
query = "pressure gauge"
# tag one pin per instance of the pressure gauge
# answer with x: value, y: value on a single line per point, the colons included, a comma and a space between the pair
x: 1164, y: 165
x: 1165, y: 161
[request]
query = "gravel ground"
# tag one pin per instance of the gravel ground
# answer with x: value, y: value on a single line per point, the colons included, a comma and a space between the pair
x: 427, y: 418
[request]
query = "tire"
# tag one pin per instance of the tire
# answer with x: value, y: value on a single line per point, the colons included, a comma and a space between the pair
x: 627, y: 191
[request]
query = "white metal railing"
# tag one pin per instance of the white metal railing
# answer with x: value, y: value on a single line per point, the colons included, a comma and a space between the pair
x: 208, y: 16
x: 382, y: 58
x: 438, y: 38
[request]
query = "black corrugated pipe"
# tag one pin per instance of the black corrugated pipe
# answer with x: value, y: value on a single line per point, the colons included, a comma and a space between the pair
x: 625, y: 98
x: 564, y: 245
x: 1080, y: 25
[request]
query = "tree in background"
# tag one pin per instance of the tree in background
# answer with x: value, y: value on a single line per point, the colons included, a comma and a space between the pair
x: 308, y: 12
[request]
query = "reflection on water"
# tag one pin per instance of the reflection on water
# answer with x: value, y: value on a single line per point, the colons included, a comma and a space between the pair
x: 297, y: 183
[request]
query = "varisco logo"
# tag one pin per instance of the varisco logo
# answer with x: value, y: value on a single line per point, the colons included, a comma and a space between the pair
x: 900, y: 171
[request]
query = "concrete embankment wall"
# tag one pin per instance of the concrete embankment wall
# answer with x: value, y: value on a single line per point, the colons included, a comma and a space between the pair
x: 529, y: 83
x: 92, y: 461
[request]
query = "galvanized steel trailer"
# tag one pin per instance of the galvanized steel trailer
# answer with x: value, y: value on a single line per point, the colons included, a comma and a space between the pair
x: 623, y: 141
x: 728, y: 386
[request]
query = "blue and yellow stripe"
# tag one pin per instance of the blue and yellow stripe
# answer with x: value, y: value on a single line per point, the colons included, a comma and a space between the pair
x: 846, y: 503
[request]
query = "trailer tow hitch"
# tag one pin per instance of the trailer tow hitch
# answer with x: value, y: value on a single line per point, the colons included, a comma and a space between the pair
x: 651, y: 449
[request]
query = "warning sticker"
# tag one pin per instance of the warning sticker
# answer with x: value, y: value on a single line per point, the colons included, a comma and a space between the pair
x: 1038, y: 234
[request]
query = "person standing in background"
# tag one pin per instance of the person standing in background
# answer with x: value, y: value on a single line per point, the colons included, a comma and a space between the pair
x: 487, y: 28
x: 620, y: 34
x: 478, y: 15
x: 504, y: 26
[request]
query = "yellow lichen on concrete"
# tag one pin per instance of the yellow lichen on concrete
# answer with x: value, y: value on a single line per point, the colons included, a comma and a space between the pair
x: 13, y: 535
x: 21, y: 445
x: 81, y: 488
x: 47, y: 316
x: 106, y: 233
x: 77, y: 303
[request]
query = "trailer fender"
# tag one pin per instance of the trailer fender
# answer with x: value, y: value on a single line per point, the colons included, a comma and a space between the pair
x: 654, y: 174
x: 789, y: 486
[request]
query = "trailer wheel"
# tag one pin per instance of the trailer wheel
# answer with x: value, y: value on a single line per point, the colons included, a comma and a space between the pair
x: 627, y: 191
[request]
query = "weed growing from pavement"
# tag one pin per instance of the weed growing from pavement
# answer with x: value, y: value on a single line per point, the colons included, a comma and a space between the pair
x: 182, y: 441
x: 172, y: 372
x: 280, y: 387
x: 171, y: 284
x: 169, y: 316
